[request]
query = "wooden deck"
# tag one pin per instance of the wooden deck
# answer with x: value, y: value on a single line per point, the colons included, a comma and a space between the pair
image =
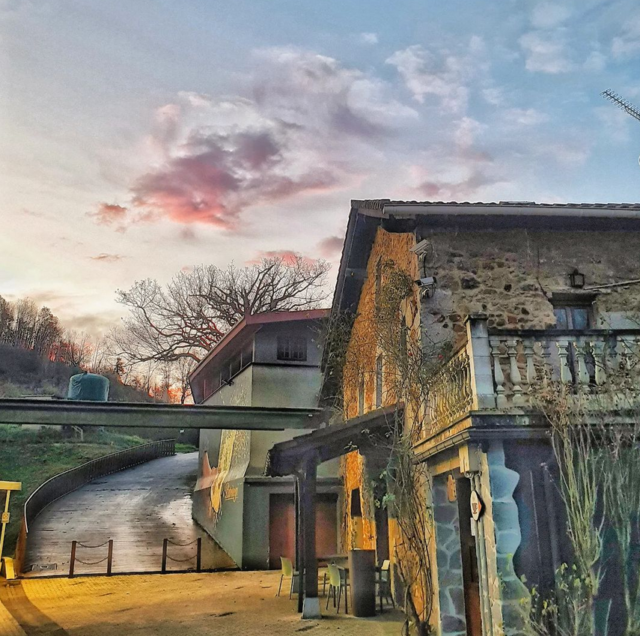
x: 138, y: 508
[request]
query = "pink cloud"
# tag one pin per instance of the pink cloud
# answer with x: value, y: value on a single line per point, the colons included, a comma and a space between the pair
x: 111, y: 214
x: 107, y: 258
x: 330, y: 246
x: 302, y: 133
x: 289, y: 257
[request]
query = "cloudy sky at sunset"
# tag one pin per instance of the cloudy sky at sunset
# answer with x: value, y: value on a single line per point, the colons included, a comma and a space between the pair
x: 142, y: 137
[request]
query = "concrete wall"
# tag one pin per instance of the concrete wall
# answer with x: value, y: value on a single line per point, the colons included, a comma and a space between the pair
x: 241, y: 524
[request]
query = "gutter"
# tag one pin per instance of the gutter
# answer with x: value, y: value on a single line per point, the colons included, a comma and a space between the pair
x: 436, y: 209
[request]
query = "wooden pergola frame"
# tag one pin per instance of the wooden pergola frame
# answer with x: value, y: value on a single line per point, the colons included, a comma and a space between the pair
x: 300, y: 457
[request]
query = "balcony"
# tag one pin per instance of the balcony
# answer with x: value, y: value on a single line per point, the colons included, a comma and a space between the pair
x: 501, y: 372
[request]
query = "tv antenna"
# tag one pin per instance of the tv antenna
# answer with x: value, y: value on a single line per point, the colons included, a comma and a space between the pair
x: 622, y: 103
x: 625, y: 104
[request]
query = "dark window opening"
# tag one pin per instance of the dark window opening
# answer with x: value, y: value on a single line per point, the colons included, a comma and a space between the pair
x: 361, y: 396
x: 290, y: 348
x: 356, y: 503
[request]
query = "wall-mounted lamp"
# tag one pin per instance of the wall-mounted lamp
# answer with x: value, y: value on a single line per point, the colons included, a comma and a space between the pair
x: 576, y: 279
x: 427, y: 286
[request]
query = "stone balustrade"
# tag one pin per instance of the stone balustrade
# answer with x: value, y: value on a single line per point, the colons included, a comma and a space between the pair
x: 450, y: 395
x: 503, y: 370
x: 522, y: 361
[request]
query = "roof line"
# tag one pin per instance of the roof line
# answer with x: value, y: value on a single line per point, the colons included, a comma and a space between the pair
x: 265, y: 318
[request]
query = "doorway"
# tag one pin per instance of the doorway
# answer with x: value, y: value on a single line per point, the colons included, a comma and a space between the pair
x: 469, y: 560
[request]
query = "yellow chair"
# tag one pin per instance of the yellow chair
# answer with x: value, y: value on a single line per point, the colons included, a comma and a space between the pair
x: 384, y: 583
x: 287, y: 570
x: 337, y: 583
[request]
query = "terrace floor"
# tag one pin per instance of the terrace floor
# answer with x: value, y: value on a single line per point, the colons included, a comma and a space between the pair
x: 230, y: 603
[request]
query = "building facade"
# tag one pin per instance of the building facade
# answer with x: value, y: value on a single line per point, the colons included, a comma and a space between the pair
x: 505, y: 295
x: 266, y: 360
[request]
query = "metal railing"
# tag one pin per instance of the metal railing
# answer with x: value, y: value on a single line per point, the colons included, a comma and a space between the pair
x: 70, y: 480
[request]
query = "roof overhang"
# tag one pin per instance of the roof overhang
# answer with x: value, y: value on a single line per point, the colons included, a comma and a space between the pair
x: 360, y: 433
x: 251, y: 324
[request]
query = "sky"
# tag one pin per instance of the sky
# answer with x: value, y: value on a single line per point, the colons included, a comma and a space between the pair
x: 141, y: 138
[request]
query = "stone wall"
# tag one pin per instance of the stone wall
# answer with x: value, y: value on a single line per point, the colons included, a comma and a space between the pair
x: 510, y: 275
x: 361, y: 363
x: 448, y: 561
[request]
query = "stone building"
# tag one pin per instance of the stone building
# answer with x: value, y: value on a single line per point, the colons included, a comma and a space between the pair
x: 504, y: 291
x: 267, y: 360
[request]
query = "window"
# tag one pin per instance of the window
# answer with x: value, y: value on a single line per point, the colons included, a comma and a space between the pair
x: 573, y: 313
x: 361, y: 396
x: 290, y: 348
x: 379, y: 380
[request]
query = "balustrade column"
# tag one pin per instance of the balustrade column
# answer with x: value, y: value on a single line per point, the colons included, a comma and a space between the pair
x: 514, y: 372
x: 582, y: 373
x: 529, y: 353
x: 498, y: 375
x: 563, y: 354
x: 597, y: 348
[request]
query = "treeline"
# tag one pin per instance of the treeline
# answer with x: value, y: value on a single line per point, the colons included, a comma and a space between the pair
x: 38, y: 356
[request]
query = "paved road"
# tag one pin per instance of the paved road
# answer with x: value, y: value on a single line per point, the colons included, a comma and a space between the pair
x: 207, y: 604
x: 137, y: 508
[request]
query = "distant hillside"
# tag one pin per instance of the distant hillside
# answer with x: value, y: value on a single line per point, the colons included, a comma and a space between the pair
x: 23, y: 372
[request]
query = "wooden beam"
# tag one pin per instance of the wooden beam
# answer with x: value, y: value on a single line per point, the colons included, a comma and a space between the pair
x: 140, y: 415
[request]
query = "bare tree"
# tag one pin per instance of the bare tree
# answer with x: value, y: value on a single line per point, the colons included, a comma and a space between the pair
x: 190, y: 315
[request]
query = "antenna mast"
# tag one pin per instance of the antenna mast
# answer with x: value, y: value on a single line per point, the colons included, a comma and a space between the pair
x: 626, y: 105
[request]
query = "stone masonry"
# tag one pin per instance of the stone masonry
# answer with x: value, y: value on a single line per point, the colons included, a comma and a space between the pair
x: 449, y: 562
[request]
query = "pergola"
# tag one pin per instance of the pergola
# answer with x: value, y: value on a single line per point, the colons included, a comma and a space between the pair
x: 300, y: 457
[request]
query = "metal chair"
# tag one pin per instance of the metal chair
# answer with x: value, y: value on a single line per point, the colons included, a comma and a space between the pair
x: 384, y: 583
x: 287, y: 570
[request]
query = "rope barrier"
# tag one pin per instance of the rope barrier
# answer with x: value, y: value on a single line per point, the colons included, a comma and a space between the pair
x: 182, y: 560
x: 90, y: 562
x: 91, y: 547
x: 182, y: 545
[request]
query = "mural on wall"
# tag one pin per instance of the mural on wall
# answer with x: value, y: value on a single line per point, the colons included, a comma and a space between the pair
x: 220, y: 483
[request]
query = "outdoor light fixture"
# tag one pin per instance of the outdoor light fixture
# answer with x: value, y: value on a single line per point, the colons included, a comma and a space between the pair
x: 427, y: 286
x: 576, y: 279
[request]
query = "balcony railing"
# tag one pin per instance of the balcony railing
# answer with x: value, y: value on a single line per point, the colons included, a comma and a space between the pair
x: 504, y: 370
x: 449, y: 395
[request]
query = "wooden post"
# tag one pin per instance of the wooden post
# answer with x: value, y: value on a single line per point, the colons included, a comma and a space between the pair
x: 72, y: 563
x: 299, y: 563
x: 311, y: 605
x: 199, y: 555
x: 165, y: 545
x: 110, y: 557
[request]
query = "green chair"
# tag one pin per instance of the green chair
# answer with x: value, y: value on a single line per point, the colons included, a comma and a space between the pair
x: 337, y: 584
x: 384, y: 583
x: 288, y: 571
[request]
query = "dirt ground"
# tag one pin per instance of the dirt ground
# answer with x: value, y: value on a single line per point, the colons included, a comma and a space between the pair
x: 230, y: 603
